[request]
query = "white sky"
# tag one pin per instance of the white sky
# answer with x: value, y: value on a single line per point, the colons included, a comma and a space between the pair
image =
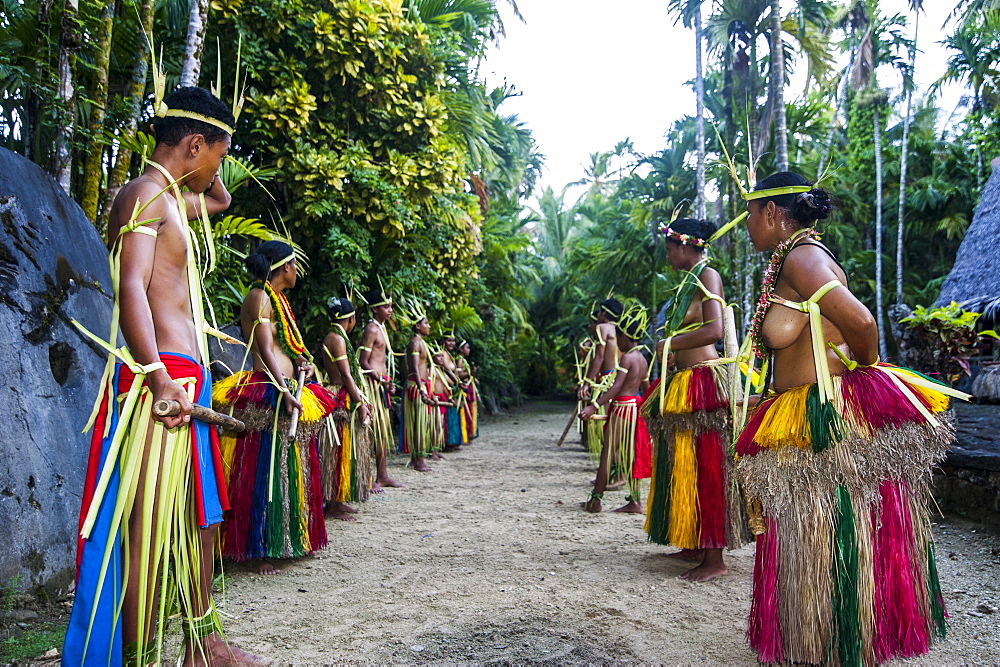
x: 593, y: 72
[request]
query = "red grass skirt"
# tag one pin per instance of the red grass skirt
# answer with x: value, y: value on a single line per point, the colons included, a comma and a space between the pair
x: 845, y: 567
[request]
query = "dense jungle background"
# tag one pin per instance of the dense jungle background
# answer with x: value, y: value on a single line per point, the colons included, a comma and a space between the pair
x: 369, y: 137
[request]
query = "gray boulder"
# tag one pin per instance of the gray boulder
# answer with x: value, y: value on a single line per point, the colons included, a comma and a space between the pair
x: 53, y: 268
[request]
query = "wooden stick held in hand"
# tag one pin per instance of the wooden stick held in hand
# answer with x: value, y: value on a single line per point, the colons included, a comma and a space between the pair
x: 572, y: 419
x: 294, y: 426
x: 167, y: 408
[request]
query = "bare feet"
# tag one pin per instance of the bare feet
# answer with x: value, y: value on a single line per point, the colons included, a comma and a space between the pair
x: 711, y: 567
x: 340, y: 511
x: 436, y: 456
x: 377, y: 488
x: 705, y: 572
x: 265, y: 567
x: 420, y: 465
x: 388, y: 482
x: 688, y: 555
x: 214, y: 651
x: 453, y: 448
x: 614, y: 486
x: 632, y: 507
x: 593, y: 506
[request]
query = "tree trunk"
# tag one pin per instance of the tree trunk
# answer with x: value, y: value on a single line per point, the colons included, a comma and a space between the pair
x: 69, y: 46
x: 902, y: 169
x: 136, y: 95
x: 195, y: 46
x: 699, y: 121
x: 882, y: 351
x: 93, y: 167
x: 841, y: 109
x: 778, y: 89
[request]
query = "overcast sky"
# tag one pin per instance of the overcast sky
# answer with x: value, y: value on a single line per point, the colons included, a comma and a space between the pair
x: 593, y: 73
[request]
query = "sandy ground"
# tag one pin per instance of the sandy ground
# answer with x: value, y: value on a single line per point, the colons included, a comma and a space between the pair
x: 490, y: 559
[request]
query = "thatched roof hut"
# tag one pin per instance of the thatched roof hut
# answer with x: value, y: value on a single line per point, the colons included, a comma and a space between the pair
x: 973, y: 281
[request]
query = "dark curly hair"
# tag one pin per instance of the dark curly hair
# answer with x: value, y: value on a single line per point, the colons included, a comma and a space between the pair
x: 805, y: 208
x: 170, y: 130
x: 700, y: 229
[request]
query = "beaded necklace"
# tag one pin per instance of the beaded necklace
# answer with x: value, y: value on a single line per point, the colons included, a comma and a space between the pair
x: 767, y: 286
x: 289, y: 338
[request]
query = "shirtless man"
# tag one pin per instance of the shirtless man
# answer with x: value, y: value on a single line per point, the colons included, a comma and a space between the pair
x: 605, y: 346
x: 375, y: 357
x: 418, y: 420
x: 162, y: 326
x: 627, y: 388
x: 337, y: 364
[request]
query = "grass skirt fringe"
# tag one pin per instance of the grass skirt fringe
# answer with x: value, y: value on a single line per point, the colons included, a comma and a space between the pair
x: 845, y: 569
x: 345, y: 448
x: 381, y: 423
x: 275, y: 486
x: 419, y: 422
x: 694, y: 500
x: 182, y: 469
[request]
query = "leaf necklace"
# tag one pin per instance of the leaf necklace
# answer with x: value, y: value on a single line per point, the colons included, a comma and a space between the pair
x: 289, y: 338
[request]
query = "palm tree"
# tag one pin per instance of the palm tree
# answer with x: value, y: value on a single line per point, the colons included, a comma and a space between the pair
x: 851, y: 18
x: 916, y: 6
x: 69, y: 46
x: 689, y: 12
x: 92, y: 169
x: 135, y: 95
x: 878, y: 46
x: 777, y: 81
x: 975, y: 48
x: 195, y: 43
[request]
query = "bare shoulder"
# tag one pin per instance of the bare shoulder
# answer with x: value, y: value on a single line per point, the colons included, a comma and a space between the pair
x: 810, y: 258
x: 809, y: 267
x: 143, y: 198
x: 634, y: 359
x: 256, y: 303
x: 712, y: 281
x: 335, y: 342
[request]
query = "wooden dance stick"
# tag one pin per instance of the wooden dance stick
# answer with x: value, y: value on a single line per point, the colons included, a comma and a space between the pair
x: 168, y: 408
x: 294, y: 426
x: 572, y: 418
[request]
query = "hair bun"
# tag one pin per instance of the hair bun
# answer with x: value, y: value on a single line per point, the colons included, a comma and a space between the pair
x: 258, y: 266
x: 813, y: 205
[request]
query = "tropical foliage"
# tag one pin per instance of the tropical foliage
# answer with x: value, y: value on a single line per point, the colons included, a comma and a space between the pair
x: 843, y: 125
x: 373, y: 143
x: 370, y: 140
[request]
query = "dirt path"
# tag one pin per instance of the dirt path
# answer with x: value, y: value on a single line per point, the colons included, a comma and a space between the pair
x: 489, y: 558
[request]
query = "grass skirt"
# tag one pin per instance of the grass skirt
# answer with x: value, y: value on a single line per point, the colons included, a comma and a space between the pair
x: 275, y: 487
x: 381, y: 423
x: 845, y: 568
x: 694, y: 501
x: 191, y: 491
x: 345, y: 449
x: 419, y: 422
x: 471, y: 410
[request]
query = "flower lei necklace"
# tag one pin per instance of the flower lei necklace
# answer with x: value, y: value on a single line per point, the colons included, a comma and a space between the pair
x: 289, y: 338
x: 767, y: 287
